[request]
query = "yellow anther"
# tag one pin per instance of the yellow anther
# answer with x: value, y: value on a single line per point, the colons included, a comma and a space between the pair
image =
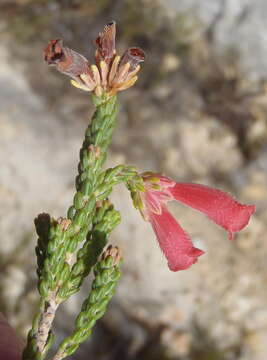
x: 79, y: 86
x: 96, y: 74
x: 88, y: 81
x: 114, y: 68
x: 127, y: 84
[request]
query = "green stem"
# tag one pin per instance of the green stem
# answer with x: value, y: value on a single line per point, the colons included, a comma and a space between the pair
x: 107, y: 274
x: 106, y: 218
x: 57, y: 244
x: 93, y: 154
x: 91, y: 218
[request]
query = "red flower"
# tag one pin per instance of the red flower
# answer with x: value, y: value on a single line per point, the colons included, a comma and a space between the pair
x: 173, y: 240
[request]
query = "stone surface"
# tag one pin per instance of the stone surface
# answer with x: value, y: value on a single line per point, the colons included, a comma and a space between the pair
x: 234, y: 24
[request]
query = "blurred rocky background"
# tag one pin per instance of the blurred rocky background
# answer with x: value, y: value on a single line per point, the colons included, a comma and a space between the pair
x: 198, y: 114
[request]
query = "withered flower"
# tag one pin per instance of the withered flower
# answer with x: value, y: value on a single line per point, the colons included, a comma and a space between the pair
x: 112, y: 252
x: 64, y: 223
x: 110, y: 73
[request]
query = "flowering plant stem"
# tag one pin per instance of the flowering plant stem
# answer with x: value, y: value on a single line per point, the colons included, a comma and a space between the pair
x: 91, y: 218
x: 68, y: 248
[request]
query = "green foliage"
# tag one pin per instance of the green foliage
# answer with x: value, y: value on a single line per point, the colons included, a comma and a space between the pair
x: 107, y: 274
x: 68, y: 248
x: 105, y: 220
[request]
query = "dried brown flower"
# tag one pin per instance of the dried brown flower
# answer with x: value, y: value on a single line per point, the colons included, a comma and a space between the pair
x: 114, y: 252
x: 110, y: 73
x: 64, y: 223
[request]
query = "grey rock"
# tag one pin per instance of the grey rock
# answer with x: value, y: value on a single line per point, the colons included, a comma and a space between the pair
x: 234, y: 24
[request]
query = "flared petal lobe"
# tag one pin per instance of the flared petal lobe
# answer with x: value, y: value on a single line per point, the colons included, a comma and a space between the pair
x: 216, y: 204
x: 174, y: 242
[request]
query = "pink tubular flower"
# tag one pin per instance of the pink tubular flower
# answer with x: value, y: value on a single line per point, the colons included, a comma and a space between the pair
x: 174, y: 242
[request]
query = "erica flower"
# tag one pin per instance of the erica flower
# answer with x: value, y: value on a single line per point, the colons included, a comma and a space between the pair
x: 173, y: 240
x: 110, y: 73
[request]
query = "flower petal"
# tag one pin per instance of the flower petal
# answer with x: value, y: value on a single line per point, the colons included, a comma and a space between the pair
x: 174, y: 242
x: 216, y: 204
